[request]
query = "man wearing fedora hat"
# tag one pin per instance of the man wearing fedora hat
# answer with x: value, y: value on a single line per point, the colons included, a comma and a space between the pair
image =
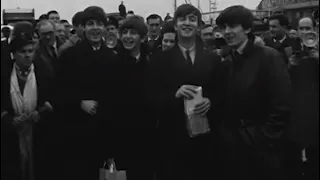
x: 24, y: 98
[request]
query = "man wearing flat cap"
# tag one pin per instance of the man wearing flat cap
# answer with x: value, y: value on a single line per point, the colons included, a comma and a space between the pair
x: 25, y: 93
x: 83, y: 83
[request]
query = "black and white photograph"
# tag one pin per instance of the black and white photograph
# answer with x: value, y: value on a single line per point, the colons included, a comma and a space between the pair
x: 159, y: 90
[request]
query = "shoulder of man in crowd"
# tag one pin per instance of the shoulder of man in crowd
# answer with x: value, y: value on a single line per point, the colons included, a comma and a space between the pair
x: 269, y: 55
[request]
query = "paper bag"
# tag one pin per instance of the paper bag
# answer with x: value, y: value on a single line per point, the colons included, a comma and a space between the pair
x: 196, y: 124
x: 111, y: 173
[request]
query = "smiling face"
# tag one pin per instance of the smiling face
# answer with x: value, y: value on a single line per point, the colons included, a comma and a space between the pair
x: 305, y: 25
x: 168, y: 41
x: 187, y: 26
x: 234, y: 35
x: 94, y: 31
x: 130, y: 39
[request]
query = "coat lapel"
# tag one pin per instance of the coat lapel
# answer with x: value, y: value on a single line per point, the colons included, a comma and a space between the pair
x: 247, y: 68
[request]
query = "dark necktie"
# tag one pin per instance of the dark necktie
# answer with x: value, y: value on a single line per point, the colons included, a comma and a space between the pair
x: 54, y: 53
x: 235, y: 55
x: 189, y: 60
x: 151, y: 43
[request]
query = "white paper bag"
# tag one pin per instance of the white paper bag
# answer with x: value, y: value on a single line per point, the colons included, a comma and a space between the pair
x: 111, y: 173
x: 196, y: 124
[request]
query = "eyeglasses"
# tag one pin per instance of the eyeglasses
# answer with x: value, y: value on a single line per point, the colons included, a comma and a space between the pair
x: 48, y: 33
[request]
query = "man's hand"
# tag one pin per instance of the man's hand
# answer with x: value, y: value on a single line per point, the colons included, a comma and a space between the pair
x: 46, y: 107
x: 18, y: 120
x: 89, y: 106
x: 34, y: 116
x: 186, y: 91
x: 203, y: 107
x: 3, y: 114
x: 293, y: 60
x: 314, y: 54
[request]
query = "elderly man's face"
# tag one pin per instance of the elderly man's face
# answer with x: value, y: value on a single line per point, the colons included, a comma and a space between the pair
x: 60, y: 30
x: 47, y: 34
x: 305, y: 25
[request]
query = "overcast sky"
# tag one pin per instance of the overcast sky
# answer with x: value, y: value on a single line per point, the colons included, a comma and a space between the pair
x: 67, y: 8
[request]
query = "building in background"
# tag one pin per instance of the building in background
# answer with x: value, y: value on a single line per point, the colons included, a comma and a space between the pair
x: 14, y: 15
x: 294, y: 9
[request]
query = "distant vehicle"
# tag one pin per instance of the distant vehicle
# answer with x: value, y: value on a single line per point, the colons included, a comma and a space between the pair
x: 13, y: 15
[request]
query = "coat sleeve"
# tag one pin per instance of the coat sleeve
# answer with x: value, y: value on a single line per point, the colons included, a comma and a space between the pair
x: 66, y: 86
x: 159, y: 93
x: 278, y: 91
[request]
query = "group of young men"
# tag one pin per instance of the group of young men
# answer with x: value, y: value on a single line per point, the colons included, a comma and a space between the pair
x: 118, y: 91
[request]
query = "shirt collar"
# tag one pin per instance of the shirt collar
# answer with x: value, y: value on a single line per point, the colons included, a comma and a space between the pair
x: 241, y: 47
x: 193, y: 48
x: 55, y: 44
x: 96, y: 48
x: 138, y: 57
x: 281, y: 40
x: 153, y: 39
x: 284, y: 38
x: 24, y: 72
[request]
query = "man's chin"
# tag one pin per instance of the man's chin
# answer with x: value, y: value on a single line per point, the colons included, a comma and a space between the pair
x: 128, y: 48
x: 187, y: 35
x: 94, y: 41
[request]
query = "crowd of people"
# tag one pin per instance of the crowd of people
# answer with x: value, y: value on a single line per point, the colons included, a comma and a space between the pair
x: 75, y: 96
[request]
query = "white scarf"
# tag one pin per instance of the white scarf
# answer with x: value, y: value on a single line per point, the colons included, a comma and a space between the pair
x: 28, y: 102
x: 25, y: 104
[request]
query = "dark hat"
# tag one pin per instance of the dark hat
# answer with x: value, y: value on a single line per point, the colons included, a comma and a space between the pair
x: 113, y: 21
x: 22, y: 35
x: 94, y: 13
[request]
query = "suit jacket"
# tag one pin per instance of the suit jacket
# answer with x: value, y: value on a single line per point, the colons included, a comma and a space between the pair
x: 5, y: 53
x: 304, y: 126
x: 73, y: 40
x: 156, y: 47
x: 170, y: 70
x: 285, y: 48
x: 47, y: 59
x: 10, y: 151
x: 131, y: 77
x: 257, y: 99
